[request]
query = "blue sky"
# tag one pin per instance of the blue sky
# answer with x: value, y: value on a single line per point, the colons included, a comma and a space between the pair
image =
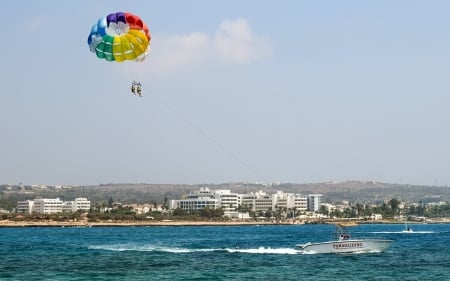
x: 254, y: 91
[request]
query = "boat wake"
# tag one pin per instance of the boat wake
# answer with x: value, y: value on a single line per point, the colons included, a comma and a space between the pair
x: 180, y: 250
x: 145, y: 248
x: 402, y: 232
x: 177, y: 250
x: 266, y: 250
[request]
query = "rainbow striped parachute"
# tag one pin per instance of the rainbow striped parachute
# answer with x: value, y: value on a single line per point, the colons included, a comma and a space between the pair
x: 119, y: 37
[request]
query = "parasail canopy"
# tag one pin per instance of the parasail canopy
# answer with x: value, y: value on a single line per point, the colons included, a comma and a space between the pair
x: 120, y: 36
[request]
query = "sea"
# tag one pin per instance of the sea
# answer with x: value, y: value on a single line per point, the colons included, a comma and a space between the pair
x: 265, y: 252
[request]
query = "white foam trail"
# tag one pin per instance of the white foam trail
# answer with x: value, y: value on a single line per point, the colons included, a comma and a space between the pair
x: 308, y: 252
x: 402, y: 232
x: 263, y: 250
x: 176, y: 250
x: 139, y: 248
x: 143, y: 248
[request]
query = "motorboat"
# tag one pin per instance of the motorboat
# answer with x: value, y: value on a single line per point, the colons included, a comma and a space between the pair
x: 345, y: 244
x: 407, y: 229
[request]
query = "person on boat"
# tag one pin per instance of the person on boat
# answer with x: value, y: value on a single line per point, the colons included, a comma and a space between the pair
x: 133, y: 89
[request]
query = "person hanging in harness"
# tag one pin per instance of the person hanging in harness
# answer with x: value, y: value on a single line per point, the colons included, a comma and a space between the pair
x: 138, y: 90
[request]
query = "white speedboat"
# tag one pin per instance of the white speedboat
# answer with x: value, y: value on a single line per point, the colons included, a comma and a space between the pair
x: 344, y: 244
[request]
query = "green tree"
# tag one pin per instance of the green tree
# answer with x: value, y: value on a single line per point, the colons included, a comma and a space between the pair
x: 394, y: 203
x: 323, y: 210
x: 110, y: 202
x: 179, y: 212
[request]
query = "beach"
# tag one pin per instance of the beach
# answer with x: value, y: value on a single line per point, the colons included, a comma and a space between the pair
x: 9, y: 223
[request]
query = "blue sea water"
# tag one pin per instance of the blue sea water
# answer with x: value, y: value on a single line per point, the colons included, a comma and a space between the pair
x: 218, y: 253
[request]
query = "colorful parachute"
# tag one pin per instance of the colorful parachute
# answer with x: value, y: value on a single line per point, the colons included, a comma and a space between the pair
x: 120, y: 36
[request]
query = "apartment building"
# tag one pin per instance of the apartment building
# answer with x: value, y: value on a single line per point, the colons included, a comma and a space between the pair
x: 52, y: 206
x: 256, y: 202
x: 77, y: 204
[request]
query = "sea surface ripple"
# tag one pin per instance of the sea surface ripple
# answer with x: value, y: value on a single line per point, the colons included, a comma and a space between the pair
x: 218, y: 253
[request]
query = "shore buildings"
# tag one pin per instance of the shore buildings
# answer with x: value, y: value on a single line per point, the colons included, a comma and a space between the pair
x: 48, y: 206
x: 52, y: 206
x: 77, y: 204
x: 314, y: 201
x: 237, y: 205
x: 25, y: 207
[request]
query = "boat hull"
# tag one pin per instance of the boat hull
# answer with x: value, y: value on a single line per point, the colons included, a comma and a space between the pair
x: 347, y: 246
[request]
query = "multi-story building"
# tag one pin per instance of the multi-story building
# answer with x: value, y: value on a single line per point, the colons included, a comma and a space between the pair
x: 290, y: 201
x: 228, y: 201
x: 301, y: 202
x: 247, y: 201
x: 258, y: 202
x: 52, y: 206
x: 77, y: 204
x: 280, y: 201
x: 25, y: 207
x: 314, y: 201
x: 197, y: 200
x: 263, y: 202
x: 48, y: 206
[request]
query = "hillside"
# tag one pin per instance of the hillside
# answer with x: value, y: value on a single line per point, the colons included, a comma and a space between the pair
x: 356, y: 191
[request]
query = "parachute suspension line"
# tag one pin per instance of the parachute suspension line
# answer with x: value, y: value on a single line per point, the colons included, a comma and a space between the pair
x: 202, y: 132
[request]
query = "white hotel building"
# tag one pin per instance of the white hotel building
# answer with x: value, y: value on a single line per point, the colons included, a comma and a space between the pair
x: 52, y: 206
x: 255, y: 202
x: 25, y: 207
x: 314, y: 201
x: 197, y: 200
x: 48, y: 206
x: 204, y: 198
x: 77, y: 204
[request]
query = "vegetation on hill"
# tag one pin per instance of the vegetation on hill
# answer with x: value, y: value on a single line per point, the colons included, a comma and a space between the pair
x: 351, y: 191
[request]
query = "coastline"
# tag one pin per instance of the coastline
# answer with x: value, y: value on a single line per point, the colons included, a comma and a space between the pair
x: 133, y: 224
x: 7, y: 223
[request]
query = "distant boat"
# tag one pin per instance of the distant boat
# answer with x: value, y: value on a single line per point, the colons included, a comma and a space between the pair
x: 407, y: 229
x: 345, y: 244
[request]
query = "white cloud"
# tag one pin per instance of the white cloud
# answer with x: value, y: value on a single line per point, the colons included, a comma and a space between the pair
x: 232, y: 43
x: 168, y: 53
x: 235, y: 43
x: 35, y: 24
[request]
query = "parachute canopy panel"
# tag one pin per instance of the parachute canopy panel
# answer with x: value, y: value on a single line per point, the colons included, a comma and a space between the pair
x: 119, y: 37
